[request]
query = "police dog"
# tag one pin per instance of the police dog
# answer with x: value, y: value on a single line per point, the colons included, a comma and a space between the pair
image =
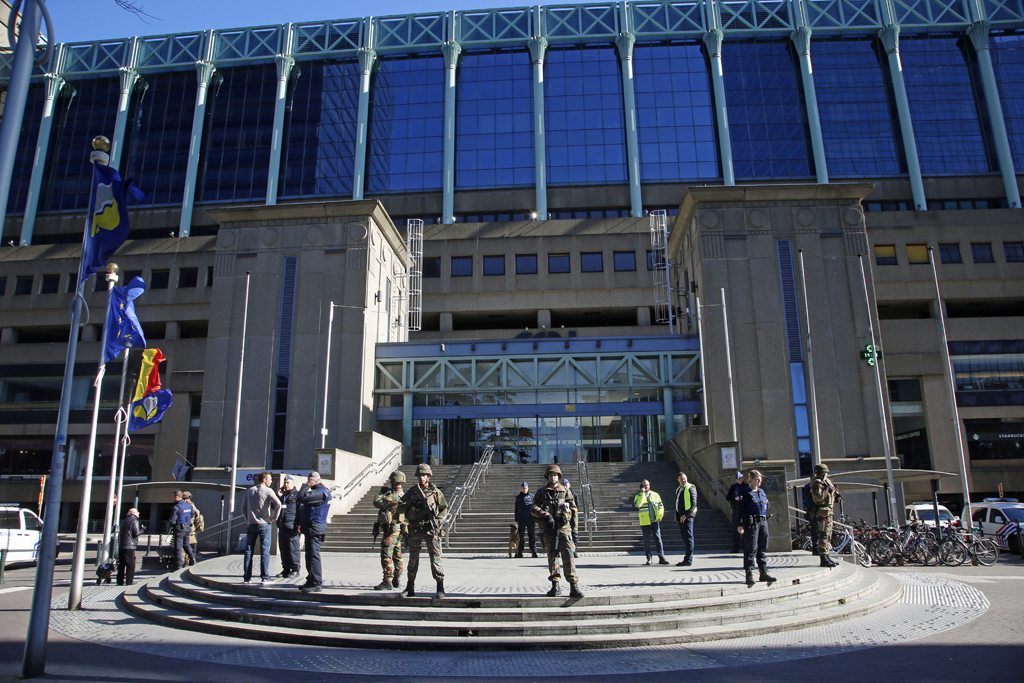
x: 513, y: 540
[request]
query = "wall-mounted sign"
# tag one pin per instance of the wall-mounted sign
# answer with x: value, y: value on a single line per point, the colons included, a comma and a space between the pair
x: 729, y: 458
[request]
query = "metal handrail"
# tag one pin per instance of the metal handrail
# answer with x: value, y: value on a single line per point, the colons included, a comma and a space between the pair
x: 372, y: 468
x: 586, y: 494
x: 849, y: 529
x: 695, y: 467
x: 465, y: 493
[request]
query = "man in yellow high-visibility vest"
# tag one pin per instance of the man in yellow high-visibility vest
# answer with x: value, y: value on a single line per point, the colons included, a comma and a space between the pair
x: 686, y: 510
x: 651, y: 510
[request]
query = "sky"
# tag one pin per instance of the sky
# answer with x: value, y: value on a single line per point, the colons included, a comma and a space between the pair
x: 85, y: 20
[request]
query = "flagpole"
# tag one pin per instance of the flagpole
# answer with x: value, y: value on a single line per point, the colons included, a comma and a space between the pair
x: 122, y: 414
x: 34, y: 659
x: 238, y: 414
x: 78, y: 563
x: 114, y: 501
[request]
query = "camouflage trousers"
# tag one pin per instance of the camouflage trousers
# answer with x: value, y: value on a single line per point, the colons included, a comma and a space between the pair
x: 564, y: 553
x: 413, y: 542
x: 824, y: 533
x: 391, y: 555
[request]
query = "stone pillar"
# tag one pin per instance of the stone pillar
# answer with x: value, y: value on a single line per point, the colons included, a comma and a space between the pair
x: 978, y: 33
x: 366, y: 59
x: 128, y: 77
x: 54, y: 85
x: 713, y: 42
x: 670, y: 418
x: 544, y: 318
x: 407, y: 419
x: 643, y: 316
x: 446, y: 321
x: 204, y: 74
x: 8, y: 335
x: 624, y: 42
x: 890, y: 37
x: 801, y: 38
x: 451, y: 51
x: 284, y: 70
x: 538, y: 46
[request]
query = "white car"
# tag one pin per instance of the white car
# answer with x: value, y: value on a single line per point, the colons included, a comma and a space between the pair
x: 20, y: 532
x: 998, y: 518
x: 924, y: 513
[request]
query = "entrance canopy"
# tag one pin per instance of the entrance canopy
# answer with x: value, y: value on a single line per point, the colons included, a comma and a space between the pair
x: 175, y: 485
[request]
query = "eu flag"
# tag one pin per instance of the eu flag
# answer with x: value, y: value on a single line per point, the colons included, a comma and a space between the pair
x: 149, y: 401
x: 106, y: 226
x: 123, y: 328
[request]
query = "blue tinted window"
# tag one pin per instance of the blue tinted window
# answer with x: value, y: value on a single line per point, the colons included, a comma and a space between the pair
x: 494, y: 120
x: 982, y: 252
x: 432, y: 266
x: 767, y: 117
x: 675, y: 115
x: 406, y: 143
x: 462, y: 266
x: 526, y: 264
x: 162, y: 132
x: 943, y: 106
x: 853, y: 105
x: 494, y: 265
x: 590, y: 262
x: 625, y: 260
x: 558, y: 263
x: 1008, y: 63
x: 1014, y: 252
x: 90, y: 113
x: 949, y: 252
x: 26, y: 154
x: 241, y: 124
x: 319, y: 148
x: 586, y: 138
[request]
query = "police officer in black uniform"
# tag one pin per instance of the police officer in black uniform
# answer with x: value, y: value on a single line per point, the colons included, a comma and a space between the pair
x: 736, y: 492
x: 287, y: 535
x: 754, y: 528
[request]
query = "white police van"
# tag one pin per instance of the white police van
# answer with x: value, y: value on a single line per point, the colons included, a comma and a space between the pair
x: 20, y: 532
x: 998, y: 518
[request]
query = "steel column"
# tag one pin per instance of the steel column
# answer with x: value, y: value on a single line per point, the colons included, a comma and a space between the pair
x: 129, y: 76
x: 284, y: 70
x: 54, y: 85
x: 624, y: 42
x: 801, y: 38
x: 204, y: 74
x: 978, y: 33
x: 451, y: 51
x: 367, y: 57
x: 890, y: 37
x: 713, y: 42
x: 538, y: 46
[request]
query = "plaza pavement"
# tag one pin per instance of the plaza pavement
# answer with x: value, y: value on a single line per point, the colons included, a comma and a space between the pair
x: 951, y: 624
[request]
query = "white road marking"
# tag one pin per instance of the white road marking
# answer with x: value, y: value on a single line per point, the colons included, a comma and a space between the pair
x: 15, y: 589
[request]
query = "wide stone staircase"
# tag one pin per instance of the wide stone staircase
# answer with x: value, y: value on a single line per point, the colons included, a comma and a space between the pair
x: 483, y: 527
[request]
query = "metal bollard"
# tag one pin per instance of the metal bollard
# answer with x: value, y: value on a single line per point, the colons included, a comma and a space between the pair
x: 3, y: 563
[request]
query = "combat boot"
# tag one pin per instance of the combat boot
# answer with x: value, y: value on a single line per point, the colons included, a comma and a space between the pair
x: 555, y: 591
x: 765, y: 577
x: 394, y: 582
x: 750, y: 578
x: 385, y: 585
x: 410, y: 589
x: 440, y: 589
x: 574, y: 591
x: 827, y: 561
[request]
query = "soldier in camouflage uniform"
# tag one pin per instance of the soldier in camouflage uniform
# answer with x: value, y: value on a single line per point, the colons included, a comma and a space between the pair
x: 823, y: 493
x: 424, y: 508
x: 391, y: 526
x: 554, y: 509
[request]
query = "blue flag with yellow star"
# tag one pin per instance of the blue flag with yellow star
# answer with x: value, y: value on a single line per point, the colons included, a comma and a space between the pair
x: 123, y: 328
x: 106, y: 226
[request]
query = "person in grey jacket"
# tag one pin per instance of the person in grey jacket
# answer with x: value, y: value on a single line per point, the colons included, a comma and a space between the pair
x: 261, y: 507
x: 129, y: 541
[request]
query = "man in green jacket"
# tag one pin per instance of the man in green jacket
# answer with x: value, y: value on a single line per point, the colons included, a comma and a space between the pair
x: 651, y: 511
x: 686, y: 510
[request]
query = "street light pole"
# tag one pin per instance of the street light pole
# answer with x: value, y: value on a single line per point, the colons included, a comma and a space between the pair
x: 238, y: 413
x: 812, y: 402
x: 327, y: 374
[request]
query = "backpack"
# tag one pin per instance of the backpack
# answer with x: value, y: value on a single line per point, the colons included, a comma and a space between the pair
x: 807, y: 500
x: 198, y: 523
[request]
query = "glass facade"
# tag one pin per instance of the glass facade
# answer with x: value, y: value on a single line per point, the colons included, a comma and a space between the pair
x: 855, y: 109
x: 161, y: 130
x: 240, y: 125
x: 586, y: 138
x: 494, y: 120
x: 675, y: 114
x: 320, y: 137
x: 767, y: 116
x: 90, y: 113
x: 22, y: 172
x: 406, y: 140
x: 945, y: 105
x: 1008, y: 63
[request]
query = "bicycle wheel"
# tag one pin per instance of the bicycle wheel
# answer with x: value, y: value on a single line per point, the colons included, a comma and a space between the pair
x: 882, y: 550
x: 986, y: 551
x: 861, y: 554
x: 918, y: 552
x: 932, y: 556
x: 952, y: 553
